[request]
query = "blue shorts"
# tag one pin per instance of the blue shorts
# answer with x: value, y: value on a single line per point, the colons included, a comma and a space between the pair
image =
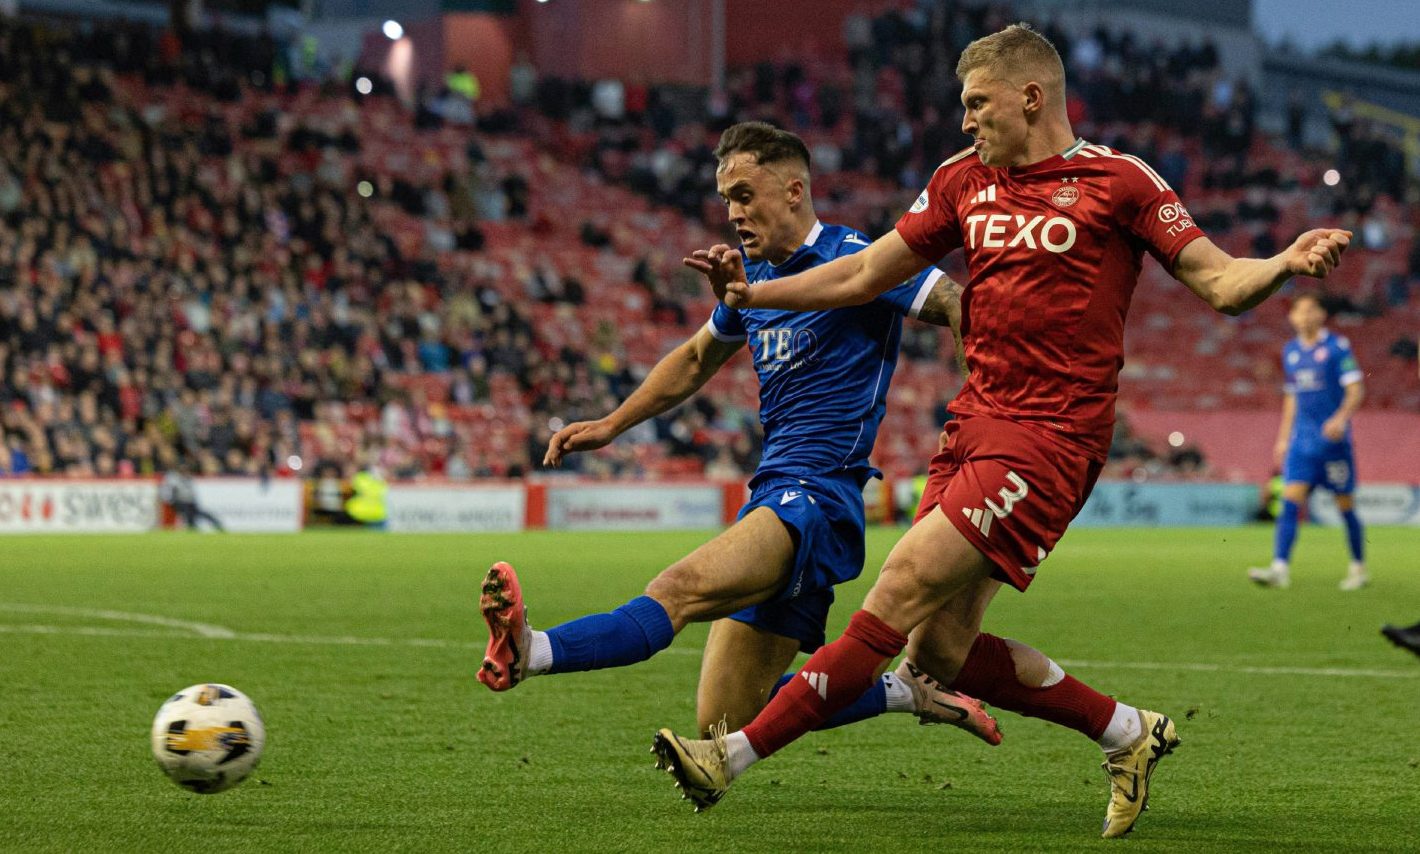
x: 824, y: 515
x: 1329, y: 465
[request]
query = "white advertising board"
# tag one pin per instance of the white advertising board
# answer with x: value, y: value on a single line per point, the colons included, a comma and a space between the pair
x: 634, y: 507
x: 1376, y: 504
x: 456, y: 508
x: 252, y: 505
x: 62, y: 506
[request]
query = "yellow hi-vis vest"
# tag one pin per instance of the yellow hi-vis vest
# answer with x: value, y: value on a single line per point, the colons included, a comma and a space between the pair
x: 367, y: 505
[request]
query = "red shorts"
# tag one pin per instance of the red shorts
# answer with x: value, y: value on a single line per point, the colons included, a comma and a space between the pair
x: 1009, y: 490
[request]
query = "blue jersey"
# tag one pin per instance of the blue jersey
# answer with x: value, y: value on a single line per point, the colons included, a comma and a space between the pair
x: 823, y: 375
x: 1317, y: 377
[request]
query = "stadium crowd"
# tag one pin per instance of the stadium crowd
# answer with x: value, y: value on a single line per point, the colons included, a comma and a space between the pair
x: 892, y: 110
x: 204, y: 268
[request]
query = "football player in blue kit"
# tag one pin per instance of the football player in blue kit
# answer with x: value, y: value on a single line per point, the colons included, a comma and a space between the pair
x: 767, y: 581
x: 1323, y: 390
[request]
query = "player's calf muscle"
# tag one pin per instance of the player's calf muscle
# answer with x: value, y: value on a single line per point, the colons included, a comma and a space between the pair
x: 1033, y: 668
x: 940, y: 659
x: 740, y: 667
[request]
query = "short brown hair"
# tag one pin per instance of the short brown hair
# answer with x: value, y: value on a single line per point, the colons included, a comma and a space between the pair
x: 766, y: 142
x: 1013, y: 52
x: 1314, y: 297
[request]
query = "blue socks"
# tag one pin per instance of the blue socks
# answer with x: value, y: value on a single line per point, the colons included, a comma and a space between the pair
x: 1355, y: 536
x: 1286, y: 531
x: 640, y: 629
x: 870, y: 705
x: 634, y: 632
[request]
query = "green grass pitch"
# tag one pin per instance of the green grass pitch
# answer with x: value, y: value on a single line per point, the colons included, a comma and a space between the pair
x: 1298, y: 721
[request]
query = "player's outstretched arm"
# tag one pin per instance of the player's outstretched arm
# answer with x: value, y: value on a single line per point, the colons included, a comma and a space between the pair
x: 1234, y: 285
x: 676, y: 377
x: 847, y: 280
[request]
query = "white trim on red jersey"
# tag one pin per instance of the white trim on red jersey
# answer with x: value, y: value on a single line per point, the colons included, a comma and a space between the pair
x: 958, y: 156
x: 1093, y: 150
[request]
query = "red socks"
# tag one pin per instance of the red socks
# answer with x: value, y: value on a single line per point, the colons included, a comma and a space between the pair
x: 989, y: 674
x: 840, y: 672
x: 832, y: 679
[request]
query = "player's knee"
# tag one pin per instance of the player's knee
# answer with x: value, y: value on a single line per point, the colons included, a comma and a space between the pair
x: 1295, y: 492
x: 680, y: 590
x: 1345, y: 503
x: 899, y: 591
x: 672, y: 595
x: 1033, y: 668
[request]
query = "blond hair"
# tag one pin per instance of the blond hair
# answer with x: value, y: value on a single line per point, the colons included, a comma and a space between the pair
x: 1018, y: 54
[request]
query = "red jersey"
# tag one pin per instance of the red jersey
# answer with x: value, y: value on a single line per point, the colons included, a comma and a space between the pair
x: 1054, y: 251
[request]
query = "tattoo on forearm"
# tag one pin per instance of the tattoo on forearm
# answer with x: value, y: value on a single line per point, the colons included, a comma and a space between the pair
x: 943, y: 308
x: 940, y: 308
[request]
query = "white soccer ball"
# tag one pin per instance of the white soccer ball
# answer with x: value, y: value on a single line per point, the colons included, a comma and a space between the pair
x: 208, y: 738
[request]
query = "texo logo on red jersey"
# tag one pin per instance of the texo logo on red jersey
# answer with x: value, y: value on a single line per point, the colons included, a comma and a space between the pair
x: 1007, y: 231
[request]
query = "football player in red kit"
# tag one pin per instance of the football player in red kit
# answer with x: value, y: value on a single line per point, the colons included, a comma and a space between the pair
x: 1054, y: 230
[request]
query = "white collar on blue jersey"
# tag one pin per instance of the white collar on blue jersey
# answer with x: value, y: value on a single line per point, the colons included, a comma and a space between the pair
x: 810, y: 240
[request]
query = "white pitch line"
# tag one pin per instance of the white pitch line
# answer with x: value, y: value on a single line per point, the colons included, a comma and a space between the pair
x: 89, y: 631
x: 206, y: 630
x: 257, y: 637
x: 441, y: 643
x: 1248, y: 669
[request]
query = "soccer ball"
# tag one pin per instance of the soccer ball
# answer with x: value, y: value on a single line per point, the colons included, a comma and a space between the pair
x: 208, y: 738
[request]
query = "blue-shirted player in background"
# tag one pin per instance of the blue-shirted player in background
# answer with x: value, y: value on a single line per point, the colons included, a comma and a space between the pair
x: 767, y: 581
x: 1323, y: 390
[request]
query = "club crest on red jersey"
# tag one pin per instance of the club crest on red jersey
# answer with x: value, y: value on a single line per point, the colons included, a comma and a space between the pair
x: 1066, y: 196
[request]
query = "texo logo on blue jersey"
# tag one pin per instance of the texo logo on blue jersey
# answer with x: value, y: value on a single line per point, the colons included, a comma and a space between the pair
x: 785, y: 346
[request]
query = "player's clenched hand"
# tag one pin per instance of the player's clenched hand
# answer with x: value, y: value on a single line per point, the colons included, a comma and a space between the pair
x: 1317, y: 252
x: 1334, y: 429
x: 725, y: 270
x: 577, y: 436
